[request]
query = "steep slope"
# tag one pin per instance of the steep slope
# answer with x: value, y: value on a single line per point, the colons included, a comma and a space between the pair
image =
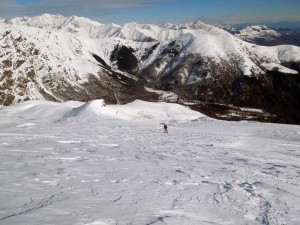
x: 56, y: 64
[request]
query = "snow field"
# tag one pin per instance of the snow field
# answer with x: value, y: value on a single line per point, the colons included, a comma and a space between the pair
x: 81, y: 163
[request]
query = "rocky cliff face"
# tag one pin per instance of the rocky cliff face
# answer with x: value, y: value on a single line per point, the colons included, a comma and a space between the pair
x: 57, y: 58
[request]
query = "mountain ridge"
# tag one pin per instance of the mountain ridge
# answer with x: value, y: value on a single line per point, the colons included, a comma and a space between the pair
x: 60, y: 58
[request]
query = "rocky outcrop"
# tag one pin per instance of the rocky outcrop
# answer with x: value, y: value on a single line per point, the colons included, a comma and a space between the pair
x: 124, y: 59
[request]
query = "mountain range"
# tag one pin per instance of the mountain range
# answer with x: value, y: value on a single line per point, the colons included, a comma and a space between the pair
x: 56, y: 58
x: 263, y: 35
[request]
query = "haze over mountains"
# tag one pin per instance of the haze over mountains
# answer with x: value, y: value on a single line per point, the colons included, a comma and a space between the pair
x: 52, y: 57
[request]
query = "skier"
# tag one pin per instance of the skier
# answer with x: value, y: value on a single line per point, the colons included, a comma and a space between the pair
x: 165, y: 129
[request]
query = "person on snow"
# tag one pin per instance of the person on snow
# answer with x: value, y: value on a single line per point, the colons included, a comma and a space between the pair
x: 165, y: 129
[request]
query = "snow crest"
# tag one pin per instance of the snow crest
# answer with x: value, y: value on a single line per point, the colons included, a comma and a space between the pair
x: 91, y: 108
x: 139, y: 111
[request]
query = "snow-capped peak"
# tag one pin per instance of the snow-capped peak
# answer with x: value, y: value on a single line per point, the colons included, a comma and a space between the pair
x: 194, y: 25
x: 43, y: 21
x: 74, y: 23
x: 197, y: 25
x: 259, y: 31
x: 81, y: 22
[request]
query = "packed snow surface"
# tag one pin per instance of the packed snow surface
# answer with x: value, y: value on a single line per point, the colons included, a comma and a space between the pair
x: 92, y: 163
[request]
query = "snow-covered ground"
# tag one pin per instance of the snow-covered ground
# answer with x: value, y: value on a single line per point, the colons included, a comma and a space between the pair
x: 75, y: 163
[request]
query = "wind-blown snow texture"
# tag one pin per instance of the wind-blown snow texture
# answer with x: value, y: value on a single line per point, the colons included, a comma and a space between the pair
x: 43, y: 57
x: 88, y: 163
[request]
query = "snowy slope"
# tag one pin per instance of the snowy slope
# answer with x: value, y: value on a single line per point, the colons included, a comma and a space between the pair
x: 102, y: 167
x: 51, y: 57
x: 50, y: 63
x: 33, y: 61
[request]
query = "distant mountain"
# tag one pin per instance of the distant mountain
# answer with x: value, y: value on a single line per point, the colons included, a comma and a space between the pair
x: 255, y: 32
x: 57, y: 58
x: 263, y: 35
x: 228, y: 28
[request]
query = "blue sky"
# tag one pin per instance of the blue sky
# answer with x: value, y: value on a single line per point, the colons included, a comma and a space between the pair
x: 160, y: 11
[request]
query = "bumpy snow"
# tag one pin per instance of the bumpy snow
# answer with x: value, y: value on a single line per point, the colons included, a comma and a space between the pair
x: 92, y: 163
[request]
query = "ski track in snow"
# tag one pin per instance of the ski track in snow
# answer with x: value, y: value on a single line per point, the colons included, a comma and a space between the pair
x: 110, y: 171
